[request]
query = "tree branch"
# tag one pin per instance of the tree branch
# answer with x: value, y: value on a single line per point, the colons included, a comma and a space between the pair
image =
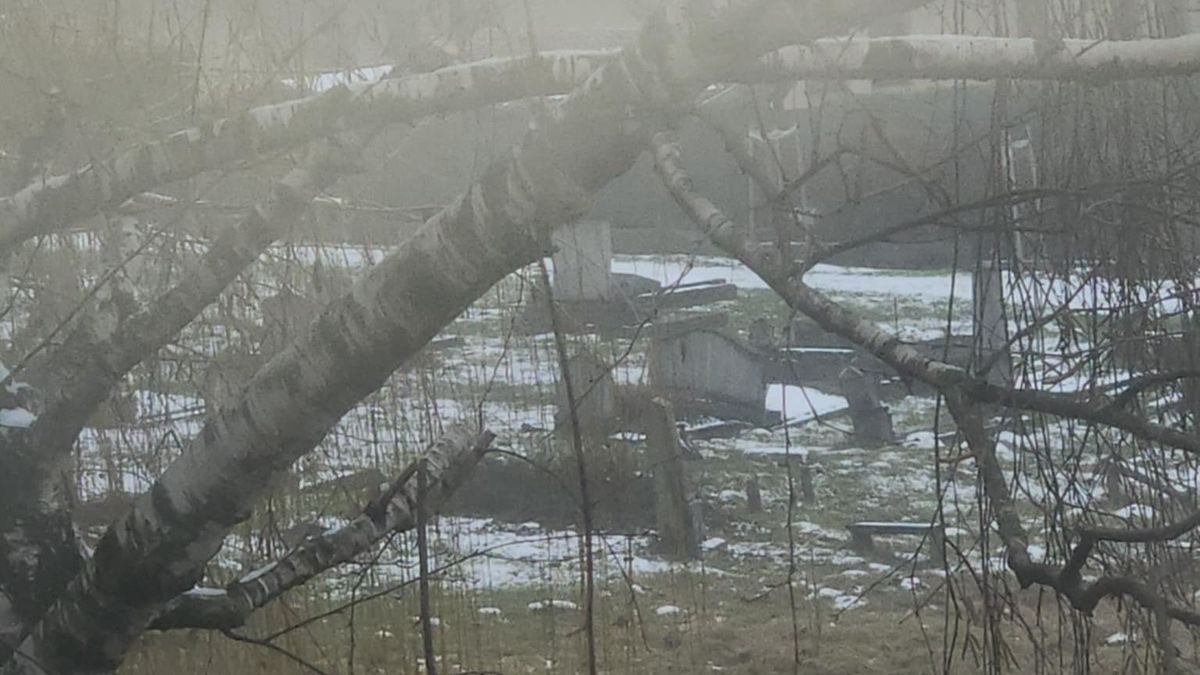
x: 56, y: 203
x: 955, y: 384
x: 501, y: 223
x: 450, y: 461
x: 81, y: 374
x: 37, y: 562
x: 785, y: 278
x: 962, y: 57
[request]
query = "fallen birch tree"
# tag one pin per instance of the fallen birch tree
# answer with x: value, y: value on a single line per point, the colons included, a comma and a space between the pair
x: 99, y: 604
x: 502, y: 223
x: 59, y: 202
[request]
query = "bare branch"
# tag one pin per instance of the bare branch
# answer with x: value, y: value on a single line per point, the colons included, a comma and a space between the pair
x: 450, y: 462
x: 58, y: 202
x: 82, y: 373
x: 500, y: 224
x: 784, y: 277
x: 961, y: 57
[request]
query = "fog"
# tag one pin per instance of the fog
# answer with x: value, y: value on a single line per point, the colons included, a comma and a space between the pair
x: 622, y: 336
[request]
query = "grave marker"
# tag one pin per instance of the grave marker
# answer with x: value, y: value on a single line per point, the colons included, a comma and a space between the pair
x: 991, y: 341
x: 582, y: 260
x: 707, y: 366
x: 872, y: 421
x: 596, y: 399
x: 678, y: 518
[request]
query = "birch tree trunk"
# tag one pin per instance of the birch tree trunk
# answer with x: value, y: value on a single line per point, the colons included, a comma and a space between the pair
x: 57, y: 202
x: 449, y: 462
x: 954, y: 57
x: 38, y: 553
x: 500, y: 224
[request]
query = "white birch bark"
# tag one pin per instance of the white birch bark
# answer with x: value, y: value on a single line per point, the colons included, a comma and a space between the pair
x: 785, y: 277
x: 58, y: 202
x: 963, y: 393
x: 448, y: 463
x: 958, y: 57
x: 38, y: 555
x: 501, y: 223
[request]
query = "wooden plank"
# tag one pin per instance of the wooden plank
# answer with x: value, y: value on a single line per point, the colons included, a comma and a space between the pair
x: 673, y: 327
x: 890, y: 528
x: 709, y: 432
x: 861, y: 534
x: 687, y: 297
x: 753, y: 416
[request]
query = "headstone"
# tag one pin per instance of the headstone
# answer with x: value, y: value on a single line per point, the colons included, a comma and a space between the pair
x: 761, y: 335
x: 597, y: 406
x: 709, y: 366
x: 808, y: 491
x: 872, y: 421
x: 991, y: 340
x: 582, y: 260
x: 753, y: 495
x: 1110, y: 469
x: 766, y: 154
x: 675, y: 514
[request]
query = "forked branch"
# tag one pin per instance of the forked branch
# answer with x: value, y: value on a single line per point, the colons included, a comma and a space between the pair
x: 449, y: 463
x: 963, y: 392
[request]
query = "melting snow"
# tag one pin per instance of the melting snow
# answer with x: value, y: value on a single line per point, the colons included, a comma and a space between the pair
x: 548, y: 605
x: 803, y: 403
x: 834, y: 278
x: 1135, y: 512
x: 19, y: 418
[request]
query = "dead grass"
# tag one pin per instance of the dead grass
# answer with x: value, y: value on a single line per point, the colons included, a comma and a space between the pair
x: 719, y: 629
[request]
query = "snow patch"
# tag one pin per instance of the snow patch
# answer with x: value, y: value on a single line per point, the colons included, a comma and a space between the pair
x: 551, y: 605
x: 1135, y: 511
x: 803, y: 403
x: 17, y: 418
x: 1118, y: 638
